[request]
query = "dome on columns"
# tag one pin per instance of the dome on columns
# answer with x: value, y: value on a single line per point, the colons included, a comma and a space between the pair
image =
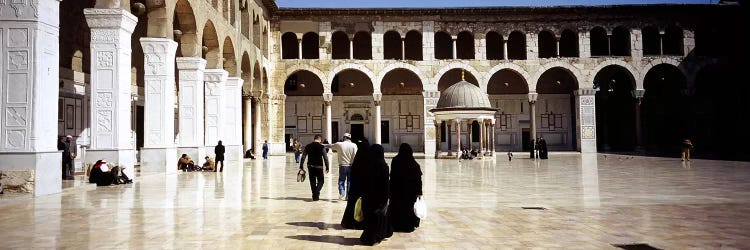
x: 463, y: 95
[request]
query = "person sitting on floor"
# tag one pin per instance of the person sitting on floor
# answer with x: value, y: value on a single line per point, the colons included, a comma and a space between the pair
x: 474, y: 153
x: 209, y: 165
x: 249, y: 154
x: 185, y: 163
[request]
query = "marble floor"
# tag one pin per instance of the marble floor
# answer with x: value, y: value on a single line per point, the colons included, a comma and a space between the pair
x: 590, y: 201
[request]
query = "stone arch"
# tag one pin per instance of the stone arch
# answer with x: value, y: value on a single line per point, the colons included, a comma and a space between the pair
x: 354, y: 66
x: 609, y: 62
x: 229, y: 59
x: 184, y: 21
x: 511, y: 66
x: 257, y: 79
x: 425, y: 81
x: 392, y: 49
x: 246, y: 73
x: 655, y: 62
x: 559, y: 64
x: 158, y: 19
x: 459, y: 65
x: 211, y: 50
x: 306, y: 67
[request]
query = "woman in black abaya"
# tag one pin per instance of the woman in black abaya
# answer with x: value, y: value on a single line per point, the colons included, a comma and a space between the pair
x: 375, y: 199
x: 358, y: 174
x: 406, y: 186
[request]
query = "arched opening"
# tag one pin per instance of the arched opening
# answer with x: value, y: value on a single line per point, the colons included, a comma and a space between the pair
x: 264, y: 41
x: 310, y: 45
x: 413, y: 45
x: 507, y: 82
x: 247, y: 84
x: 599, y: 42
x: 555, y: 107
x: 303, y: 83
x: 339, y: 45
x: 289, y: 49
x: 403, y: 109
x: 245, y: 19
x: 392, y: 45
x: 256, y: 30
x: 664, y: 108
x: 454, y: 76
x: 673, y: 41
x: 353, y: 86
x: 507, y: 90
x: 257, y: 80
x: 651, y: 41
x: 465, y: 45
x: 230, y: 62
x: 443, y: 45
x: 352, y: 82
x: 615, y: 109
x: 516, y: 46
x: 494, y: 46
x: 362, y: 46
x: 547, y: 45
x: 620, y: 41
x: 569, y: 44
x: 187, y: 37
x: 226, y: 9
x: 211, y: 46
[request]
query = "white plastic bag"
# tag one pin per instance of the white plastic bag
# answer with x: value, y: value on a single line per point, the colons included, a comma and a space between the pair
x: 420, y: 208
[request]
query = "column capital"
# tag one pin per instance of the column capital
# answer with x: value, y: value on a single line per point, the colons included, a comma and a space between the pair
x: 109, y: 19
x: 584, y: 92
x: 327, y: 97
x: 191, y: 63
x: 215, y: 75
x: 377, y: 97
x: 234, y: 82
x: 638, y: 93
x: 533, y: 97
x: 256, y: 94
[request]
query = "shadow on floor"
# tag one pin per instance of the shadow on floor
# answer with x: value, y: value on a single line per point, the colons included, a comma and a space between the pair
x: 341, y: 240
x: 298, y: 199
x: 319, y: 225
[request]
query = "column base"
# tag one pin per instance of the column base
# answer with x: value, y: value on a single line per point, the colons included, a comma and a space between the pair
x: 159, y: 160
x: 197, y: 153
x: 124, y: 158
x: 233, y: 153
x: 588, y: 146
x: 277, y: 148
x: 34, y: 172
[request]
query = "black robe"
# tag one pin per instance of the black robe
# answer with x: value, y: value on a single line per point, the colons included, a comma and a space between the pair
x: 406, y: 185
x: 356, y: 177
x: 375, y: 194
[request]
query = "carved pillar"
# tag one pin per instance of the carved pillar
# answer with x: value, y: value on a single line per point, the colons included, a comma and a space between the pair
x: 377, y: 98
x: 327, y: 98
x: 29, y: 73
x: 532, y: 114
x: 111, y: 135
x: 638, y: 94
x: 458, y: 136
x: 248, y: 124
x: 586, y: 120
x: 158, y: 154
x: 190, y: 106
x: 430, y: 101
x: 232, y: 118
x: 215, y: 80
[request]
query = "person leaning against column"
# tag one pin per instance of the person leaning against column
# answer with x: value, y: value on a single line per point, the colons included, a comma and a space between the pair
x: 317, y: 158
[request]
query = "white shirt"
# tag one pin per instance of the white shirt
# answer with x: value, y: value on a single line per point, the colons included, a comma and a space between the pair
x: 346, y: 151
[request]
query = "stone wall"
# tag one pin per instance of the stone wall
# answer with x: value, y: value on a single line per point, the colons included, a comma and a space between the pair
x: 19, y: 181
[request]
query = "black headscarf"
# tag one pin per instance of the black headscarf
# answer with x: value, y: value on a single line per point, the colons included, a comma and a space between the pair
x: 404, y: 163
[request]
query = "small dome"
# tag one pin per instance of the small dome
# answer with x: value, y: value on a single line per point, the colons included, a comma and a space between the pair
x: 463, y: 95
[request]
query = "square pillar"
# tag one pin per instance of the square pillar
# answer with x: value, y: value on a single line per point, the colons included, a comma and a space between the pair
x: 232, y: 117
x: 532, y: 46
x: 248, y: 123
x: 29, y: 67
x: 112, y: 138
x: 428, y: 40
x: 377, y: 97
x: 431, y: 133
x: 636, y: 43
x: 191, y: 108
x: 584, y: 44
x: 586, y: 120
x: 327, y: 98
x: 158, y: 154
x: 215, y: 79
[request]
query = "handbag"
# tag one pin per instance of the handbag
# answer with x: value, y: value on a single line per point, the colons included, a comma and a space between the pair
x: 359, y: 216
x: 420, y: 208
x: 301, y: 175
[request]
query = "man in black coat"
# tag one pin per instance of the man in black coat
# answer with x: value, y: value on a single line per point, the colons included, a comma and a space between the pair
x: 315, y: 162
x: 69, y: 150
x: 219, y: 151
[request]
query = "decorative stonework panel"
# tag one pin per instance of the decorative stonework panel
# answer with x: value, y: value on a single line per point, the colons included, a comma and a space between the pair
x: 104, y: 100
x: 18, y: 38
x: 17, y: 88
x: 18, y: 60
x: 15, y: 116
x: 104, y: 120
x: 105, y: 58
x: 15, y: 139
x: 104, y: 36
x: 588, y: 133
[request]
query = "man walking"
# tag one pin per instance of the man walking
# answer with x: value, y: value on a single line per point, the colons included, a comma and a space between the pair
x: 318, y: 157
x: 265, y: 150
x: 346, y: 150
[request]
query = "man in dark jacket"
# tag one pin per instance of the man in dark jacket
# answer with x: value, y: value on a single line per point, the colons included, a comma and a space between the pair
x: 219, y: 151
x: 317, y: 157
x: 69, y: 151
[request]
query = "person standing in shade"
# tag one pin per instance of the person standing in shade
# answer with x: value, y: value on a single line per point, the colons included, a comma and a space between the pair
x: 687, y: 145
x: 510, y: 156
x: 346, y: 151
x: 219, y: 151
x: 315, y: 162
x: 357, y: 176
x: 405, y: 188
x: 375, y: 195
x: 265, y: 150
x: 68, y: 154
x: 542, y: 148
x: 297, y: 147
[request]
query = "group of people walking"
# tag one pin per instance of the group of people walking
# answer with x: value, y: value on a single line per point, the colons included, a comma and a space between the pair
x: 387, y: 196
x: 539, y: 148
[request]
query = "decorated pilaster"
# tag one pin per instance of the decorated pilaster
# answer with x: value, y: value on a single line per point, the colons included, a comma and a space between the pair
x: 158, y: 154
x: 431, y: 133
x: 327, y: 98
x: 29, y: 49
x: 232, y: 118
x: 377, y: 97
x: 190, y: 107
x: 111, y: 136
x: 215, y: 80
x: 586, y: 120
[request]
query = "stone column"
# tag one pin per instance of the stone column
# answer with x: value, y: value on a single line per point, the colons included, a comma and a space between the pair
x: 430, y: 101
x: 448, y: 136
x: 327, y: 98
x: 586, y: 120
x: 299, y: 48
x: 532, y: 114
x: 158, y: 154
x: 458, y: 136
x: 248, y: 124
x: 636, y: 42
x: 505, y: 49
x: 688, y: 42
x: 557, y: 43
x: 609, y: 43
x: 351, y: 49
x: 215, y: 80
x: 256, y: 123
x: 470, y: 134
x: 437, y: 138
x: 455, y: 52
x: 661, y: 42
x: 480, y: 47
x: 29, y: 71
x: 190, y: 106
x: 377, y: 98
x: 403, y: 48
x: 428, y: 40
x: 232, y: 119
x: 492, y: 137
x: 480, y: 123
x: 638, y: 94
x: 584, y: 44
x: 111, y: 136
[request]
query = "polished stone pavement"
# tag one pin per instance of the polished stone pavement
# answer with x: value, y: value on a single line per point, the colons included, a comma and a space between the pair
x: 591, y: 202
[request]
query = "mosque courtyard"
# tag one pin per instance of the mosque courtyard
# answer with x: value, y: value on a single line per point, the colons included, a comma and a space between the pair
x: 571, y: 201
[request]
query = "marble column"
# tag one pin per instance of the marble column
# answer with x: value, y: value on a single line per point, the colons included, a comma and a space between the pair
x: 505, y: 49
x: 458, y: 137
x: 586, y: 120
x: 661, y: 42
x: 299, y: 49
x: 638, y: 94
x: 480, y: 123
x: 215, y: 80
x: 232, y: 118
x: 30, y: 53
x: 492, y: 137
x: 448, y: 136
x: 351, y: 49
x: 111, y: 136
x: 327, y: 98
x: 430, y: 102
x: 377, y: 98
x: 257, y: 143
x: 557, y: 43
x: 455, y: 52
x: 532, y: 114
x: 437, y: 138
x: 158, y: 153
x: 403, y: 48
x: 190, y: 106
x: 469, y: 134
x: 248, y: 124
